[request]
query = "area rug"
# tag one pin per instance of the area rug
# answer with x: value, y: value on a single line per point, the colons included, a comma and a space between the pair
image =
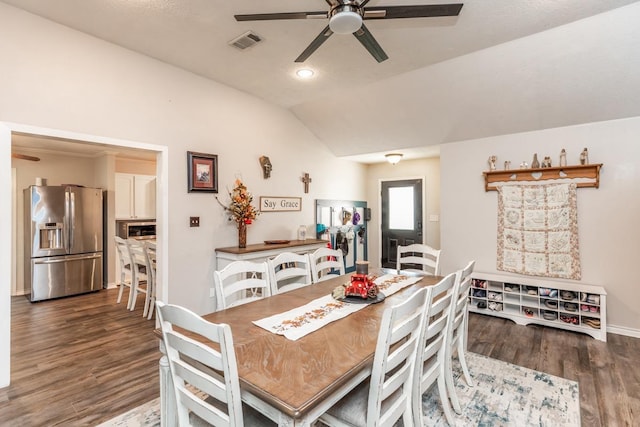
x: 507, y: 395
x: 504, y: 395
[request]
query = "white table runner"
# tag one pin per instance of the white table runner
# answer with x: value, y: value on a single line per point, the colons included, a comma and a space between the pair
x: 300, y: 321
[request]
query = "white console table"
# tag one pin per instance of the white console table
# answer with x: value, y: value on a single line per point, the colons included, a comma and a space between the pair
x: 263, y: 251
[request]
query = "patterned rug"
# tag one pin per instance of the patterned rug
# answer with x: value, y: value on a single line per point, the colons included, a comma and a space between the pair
x: 504, y: 395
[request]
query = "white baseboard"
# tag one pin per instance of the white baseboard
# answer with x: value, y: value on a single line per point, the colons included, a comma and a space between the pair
x: 621, y: 330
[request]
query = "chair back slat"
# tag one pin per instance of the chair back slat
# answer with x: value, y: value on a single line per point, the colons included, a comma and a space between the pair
x: 289, y: 271
x: 430, y: 363
x: 205, y: 379
x: 418, y: 258
x: 326, y: 263
x: 241, y: 282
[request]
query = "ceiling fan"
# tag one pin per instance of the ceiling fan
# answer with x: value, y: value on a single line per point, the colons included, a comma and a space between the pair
x: 25, y: 157
x: 346, y: 16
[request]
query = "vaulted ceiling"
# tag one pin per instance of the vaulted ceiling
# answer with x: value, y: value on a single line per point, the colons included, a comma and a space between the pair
x: 499, y: 67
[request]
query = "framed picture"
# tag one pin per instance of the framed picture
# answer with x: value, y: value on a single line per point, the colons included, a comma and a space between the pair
x: 202, y: 172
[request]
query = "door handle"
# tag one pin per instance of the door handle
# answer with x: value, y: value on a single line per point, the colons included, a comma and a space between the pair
x: 66, y: 259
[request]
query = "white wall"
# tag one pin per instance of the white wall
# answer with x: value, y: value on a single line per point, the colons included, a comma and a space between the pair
x: 608, y: 217
x: 426, y: 169
x: 57, y: 78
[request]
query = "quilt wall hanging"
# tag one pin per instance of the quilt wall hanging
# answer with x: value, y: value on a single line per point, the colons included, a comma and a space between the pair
x: 538, y: 230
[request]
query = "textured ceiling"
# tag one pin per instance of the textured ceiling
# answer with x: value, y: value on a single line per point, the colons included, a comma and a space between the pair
x: 194, y: 35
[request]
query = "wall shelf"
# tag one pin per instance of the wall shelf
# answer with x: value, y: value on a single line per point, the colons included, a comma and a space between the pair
x: 588, y: 175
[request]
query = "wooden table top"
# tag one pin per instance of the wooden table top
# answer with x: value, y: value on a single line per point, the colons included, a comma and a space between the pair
x: 294, y: 376
x: 259, y: 247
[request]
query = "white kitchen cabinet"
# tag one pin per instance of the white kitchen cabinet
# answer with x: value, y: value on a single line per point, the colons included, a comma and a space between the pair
x: 135, y: 196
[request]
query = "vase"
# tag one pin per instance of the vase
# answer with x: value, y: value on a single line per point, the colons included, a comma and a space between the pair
x: 242, y: 235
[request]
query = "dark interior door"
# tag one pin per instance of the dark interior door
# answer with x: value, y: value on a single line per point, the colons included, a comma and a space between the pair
x: 401, y: 217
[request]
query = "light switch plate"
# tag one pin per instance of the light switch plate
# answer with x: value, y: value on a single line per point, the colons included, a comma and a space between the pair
x: 194, y: 221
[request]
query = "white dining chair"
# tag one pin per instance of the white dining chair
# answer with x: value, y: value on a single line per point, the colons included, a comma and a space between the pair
x: 124, y: 264
x: 241, y: 282
x: 386, y: 397
x: 289, y: 271
x: 418, y: 258
x: 140, y: 277
x: 326, y: 263
x: 205, y: 378
x: 457, y: 332
x: 430, y: 364
x: 150, y: 252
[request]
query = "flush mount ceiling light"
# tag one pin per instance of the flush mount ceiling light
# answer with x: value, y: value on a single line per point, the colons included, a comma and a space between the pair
x: 304, y: 73
x: 393, y: 158
x: 345, y: 19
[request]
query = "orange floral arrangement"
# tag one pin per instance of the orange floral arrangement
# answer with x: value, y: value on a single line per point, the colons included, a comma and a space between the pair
x: 240, y: 209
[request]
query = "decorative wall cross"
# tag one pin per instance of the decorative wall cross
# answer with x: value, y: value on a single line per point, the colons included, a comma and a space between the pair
x: 306, y: 179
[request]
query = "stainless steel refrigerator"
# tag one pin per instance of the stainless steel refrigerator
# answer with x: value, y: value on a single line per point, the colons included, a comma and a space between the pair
x: 63, y: 241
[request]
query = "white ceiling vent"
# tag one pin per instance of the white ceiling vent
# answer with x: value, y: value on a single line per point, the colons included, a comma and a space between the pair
x: 245, y: 40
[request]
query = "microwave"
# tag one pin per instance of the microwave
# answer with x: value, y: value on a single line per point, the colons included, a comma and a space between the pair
x: 136, y: 230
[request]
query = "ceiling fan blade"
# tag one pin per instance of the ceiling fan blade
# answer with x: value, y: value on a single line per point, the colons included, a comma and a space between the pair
x: 369, y: 42
x: 315, y: 44
x: 25, y: 157
x: 417, y: 11
x: 285, y: 15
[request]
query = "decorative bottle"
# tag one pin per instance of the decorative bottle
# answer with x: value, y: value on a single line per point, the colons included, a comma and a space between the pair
x: 535, y: 163
x: 302, y: 232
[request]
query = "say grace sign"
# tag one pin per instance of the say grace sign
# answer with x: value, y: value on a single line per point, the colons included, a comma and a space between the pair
x: 280, y: 204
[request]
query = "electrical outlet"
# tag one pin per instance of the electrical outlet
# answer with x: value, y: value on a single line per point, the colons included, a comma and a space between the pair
x: 194, y: 221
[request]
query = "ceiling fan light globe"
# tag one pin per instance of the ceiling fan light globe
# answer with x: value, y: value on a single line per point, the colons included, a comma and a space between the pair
x: 346, y: 22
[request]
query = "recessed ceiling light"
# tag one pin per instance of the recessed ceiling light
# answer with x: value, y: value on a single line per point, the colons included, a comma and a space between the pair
x: 304, y: 73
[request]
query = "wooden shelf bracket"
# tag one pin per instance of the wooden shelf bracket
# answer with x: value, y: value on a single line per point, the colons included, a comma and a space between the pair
x: 585, y: 175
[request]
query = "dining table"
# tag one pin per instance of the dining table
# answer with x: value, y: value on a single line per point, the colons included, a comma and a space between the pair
x: 293, y: 382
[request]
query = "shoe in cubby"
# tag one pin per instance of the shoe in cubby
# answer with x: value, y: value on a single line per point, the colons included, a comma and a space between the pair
x: 569, y: 318
x: 477, y: 283
x: 570, y: 306
x: 593, y: 299
x: 531, y: 290
x: 549, y: 315
x: 494, y: 296
x: 568, y: 295
x: 495, y: 306
x: 592, y: 322
x: 548, y: 292
x: 551, y: 303
x: 529, y: 312
x: 479, y: 293
x: 511, y: 287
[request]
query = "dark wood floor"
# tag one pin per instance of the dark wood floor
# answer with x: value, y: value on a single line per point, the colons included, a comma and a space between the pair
x: 80, y: 361
x: 608, y: 373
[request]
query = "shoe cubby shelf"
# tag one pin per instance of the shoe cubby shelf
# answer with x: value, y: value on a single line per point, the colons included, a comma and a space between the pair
x: 573, y: 306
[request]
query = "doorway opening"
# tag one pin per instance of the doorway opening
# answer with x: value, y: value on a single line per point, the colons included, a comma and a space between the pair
x: 401, y: 217
x: 7, y: 131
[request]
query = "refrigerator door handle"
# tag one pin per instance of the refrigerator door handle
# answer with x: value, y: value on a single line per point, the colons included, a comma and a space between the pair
x: 72, y: 214
x: 65, y: 259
